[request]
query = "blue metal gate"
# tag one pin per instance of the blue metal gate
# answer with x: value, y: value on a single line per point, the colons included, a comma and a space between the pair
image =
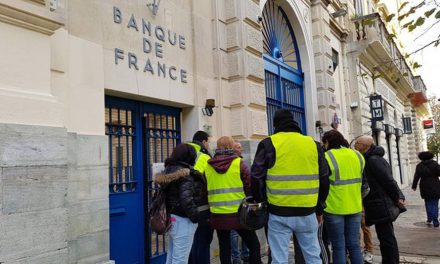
x: 283, y: 75
x: 139, y: 134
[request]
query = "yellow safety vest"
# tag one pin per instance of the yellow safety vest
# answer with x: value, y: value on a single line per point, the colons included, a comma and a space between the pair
x: 201, y: 160
x: 345, y: 195
x: 225, y: 191
x: 293, y: 181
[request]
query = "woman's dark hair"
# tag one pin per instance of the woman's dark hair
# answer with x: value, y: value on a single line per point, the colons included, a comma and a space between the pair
x: 425, y: 155
x: 334, y: 139
x: 182, y: 154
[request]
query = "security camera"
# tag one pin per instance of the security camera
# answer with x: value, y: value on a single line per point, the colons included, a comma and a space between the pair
x: 260, y: 18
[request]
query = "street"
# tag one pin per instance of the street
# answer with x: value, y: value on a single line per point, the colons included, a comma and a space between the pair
x: 418, y: 243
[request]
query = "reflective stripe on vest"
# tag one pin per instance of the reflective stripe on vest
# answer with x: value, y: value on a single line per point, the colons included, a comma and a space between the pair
x: 225, y: 191
x: 337, y: 180
x: 293, y: 181
x: 344, y: 197
x: 201, y: 159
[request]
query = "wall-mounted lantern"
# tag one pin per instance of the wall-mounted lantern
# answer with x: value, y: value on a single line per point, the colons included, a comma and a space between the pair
x: 377, y: 126
x: 398, y: 132
x: 389, y: 129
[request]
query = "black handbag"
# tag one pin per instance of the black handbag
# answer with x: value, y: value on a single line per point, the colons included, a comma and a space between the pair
x: 253, y: 216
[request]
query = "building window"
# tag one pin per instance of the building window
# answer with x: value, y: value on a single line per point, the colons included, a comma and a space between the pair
x: 335, y: 59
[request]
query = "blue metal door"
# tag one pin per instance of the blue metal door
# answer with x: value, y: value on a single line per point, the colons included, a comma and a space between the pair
x: 283, y: 75
x: 138, y: 134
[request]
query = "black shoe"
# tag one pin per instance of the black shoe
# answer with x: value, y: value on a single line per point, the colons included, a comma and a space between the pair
x: 436, y: 224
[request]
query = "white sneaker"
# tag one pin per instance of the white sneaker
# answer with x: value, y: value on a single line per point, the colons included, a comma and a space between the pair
x: 368, y: 258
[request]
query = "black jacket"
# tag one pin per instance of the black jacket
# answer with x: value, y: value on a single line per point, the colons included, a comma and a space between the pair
x: 428, y: 172
x: 381, y: 202
x: 265, y: 159
x: 184, y: 188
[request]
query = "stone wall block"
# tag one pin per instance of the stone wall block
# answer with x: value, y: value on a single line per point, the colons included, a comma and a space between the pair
x: 88, y: 183
x: 251, y: 12
x: 31, y: 234
x: 28, y: 189
x: 224, y: 63
x: 88, y: 217
x: 1, y: 190
x: 320, y: 81
x: 91, y: 248
x: 253, y: 39
x: 52, y: 257
x: 238, y: 123
x: 23, y: 145
x: 236, y: 92
x: 219, y: 39
x: 258, y: 123
x: 318, y: 48
x: 233, y: 35
x: 330, y: 82
x: 231, y: 8
x: 254, y: 67
x: 235, y: 64
x: 257, y: 93
x: 87, y: 150
x: 319, y: 62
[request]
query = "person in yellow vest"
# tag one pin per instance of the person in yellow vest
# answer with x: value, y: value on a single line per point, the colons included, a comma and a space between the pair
x: 204, y: 234
x: 290, y: 173
x: 228, y: 183
x: 343, y: 213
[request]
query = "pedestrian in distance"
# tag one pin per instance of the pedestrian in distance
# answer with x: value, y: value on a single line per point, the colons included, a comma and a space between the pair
x: 228, y: 183
x: 290, y: 173
x: 200, y: 250
x: 428, y: 172
x: 343, y: 213
x: 182, y: 185
x: 385, y: 200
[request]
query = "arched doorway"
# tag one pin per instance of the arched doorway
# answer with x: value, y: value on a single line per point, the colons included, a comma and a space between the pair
x: 284, y: 79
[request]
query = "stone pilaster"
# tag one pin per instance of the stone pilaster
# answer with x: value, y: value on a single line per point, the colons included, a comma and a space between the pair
x: 244, y: 94
x: 325, y: 83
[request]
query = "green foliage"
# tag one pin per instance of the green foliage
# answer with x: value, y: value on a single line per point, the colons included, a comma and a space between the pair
x: 403, y: 6
x: 416, y: 65
x: 388, y: 18
x: 430, y: 12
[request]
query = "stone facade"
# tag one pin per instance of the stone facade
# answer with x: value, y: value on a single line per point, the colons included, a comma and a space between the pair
x: 60, y: 61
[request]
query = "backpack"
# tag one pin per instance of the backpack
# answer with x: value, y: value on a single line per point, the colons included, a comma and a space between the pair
x: 160, y: 218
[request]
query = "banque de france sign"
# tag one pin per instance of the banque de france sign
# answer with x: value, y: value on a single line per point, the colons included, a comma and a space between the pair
x: 154, y: 39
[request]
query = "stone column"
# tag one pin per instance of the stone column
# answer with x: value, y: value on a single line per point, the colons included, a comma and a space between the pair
x: 240, y: 72
x: 325, y: 83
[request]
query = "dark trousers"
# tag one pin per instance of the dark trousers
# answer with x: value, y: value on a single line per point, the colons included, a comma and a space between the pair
x: 249, y: 237
x: 201, y: 245
x: 431, y: 206
x: 388, y: 243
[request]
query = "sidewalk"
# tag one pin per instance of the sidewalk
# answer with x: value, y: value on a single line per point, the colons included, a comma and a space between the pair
x: 418, y: 243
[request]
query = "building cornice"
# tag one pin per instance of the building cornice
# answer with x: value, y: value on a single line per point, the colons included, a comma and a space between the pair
x: 31, y: 16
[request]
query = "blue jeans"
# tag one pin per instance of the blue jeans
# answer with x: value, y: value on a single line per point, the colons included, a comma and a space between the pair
x: 306, y: 231
x: 235, y: 250
x: 181, y: 236
x: 344, y: 235
x: 431, y: 206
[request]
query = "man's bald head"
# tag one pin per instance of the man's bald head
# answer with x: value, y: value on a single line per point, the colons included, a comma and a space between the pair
x: 364, y: 143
